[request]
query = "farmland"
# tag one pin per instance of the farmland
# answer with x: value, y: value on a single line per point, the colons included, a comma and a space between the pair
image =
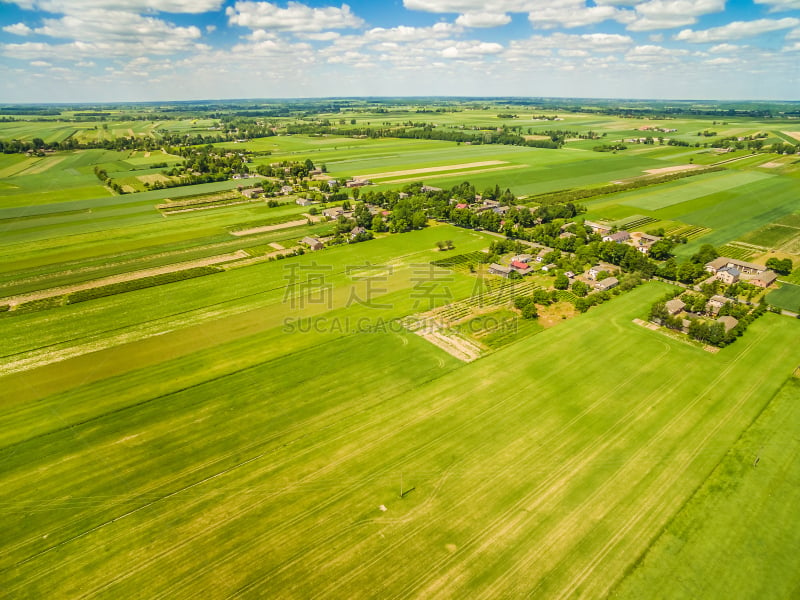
x: 195, y: 401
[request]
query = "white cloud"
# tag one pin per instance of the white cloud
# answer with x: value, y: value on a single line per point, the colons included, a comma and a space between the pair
x: 471, y: 49
x: 650, y: 54
x: 725, y: 48
x: 296, y: 17
x: 65, y: 7
x: 573, y: 14
x: 403, y: 33
x: 483, y: 19
x: 40, y: 63
x: 656, y: 37
x: 666, y: 14
x: 325, y: 36
x: 722, y: 60
x: 736, y: 30
x: 593, y: 42
x: 107, y: 26
x: 573, y: 53
x: 18, y: 29
x: 780, y: 5
x: 793, y: 35
x: 546, y: 14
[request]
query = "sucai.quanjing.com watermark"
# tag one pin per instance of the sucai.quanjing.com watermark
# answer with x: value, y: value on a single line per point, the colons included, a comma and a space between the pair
x: 349, y: 325
x: 312, y: 285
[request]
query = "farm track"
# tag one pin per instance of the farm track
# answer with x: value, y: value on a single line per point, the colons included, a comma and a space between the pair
x: 123, y: 277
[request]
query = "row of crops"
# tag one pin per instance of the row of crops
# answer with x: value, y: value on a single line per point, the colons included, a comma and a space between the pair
x: 737, y: 252
x: 494, y: 297
x: 634, y: 223
x: 461, y: 262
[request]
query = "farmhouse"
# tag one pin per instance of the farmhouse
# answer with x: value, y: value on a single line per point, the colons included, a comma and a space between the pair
x: 729, y: 322
x: 356, y: 231
x: 728, y: 275
x: 521, y: 267
x: 333, y: 213
x: 286, y: 190
x: 500, y: 270
x: 644, y: 241
x: 313, y: 243
x: 462, y: 205
x: 429, y: 188
x: 606, y: 284
x: 745, y: 268
x: 599, y: 268
x: 715, y: 303
x: 549, y: 267
x: 542, y: 253
x: 304, y: 202
x: 597, y: 227
x: 619, y: 237
x: 765, y: 279
x: 675, y: 306
x: 523, y: 258
x: 252, y: 192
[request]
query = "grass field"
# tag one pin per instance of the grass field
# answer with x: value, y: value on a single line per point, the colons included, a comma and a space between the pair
x: 786, y: 297
x: 732, y: 539
x: 274, y: 429
x: 263, y: 471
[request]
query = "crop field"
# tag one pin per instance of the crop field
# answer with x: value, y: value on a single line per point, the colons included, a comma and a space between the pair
x: 786, y: 297
x: 194, y: 403
x: 259, y: 484
x: 735, y: 525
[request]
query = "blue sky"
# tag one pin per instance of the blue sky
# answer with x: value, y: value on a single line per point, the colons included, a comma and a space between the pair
x: 141, y: 50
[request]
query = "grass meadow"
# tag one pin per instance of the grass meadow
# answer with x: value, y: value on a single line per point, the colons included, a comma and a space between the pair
x: 273, y: 430
x: 242, y: 452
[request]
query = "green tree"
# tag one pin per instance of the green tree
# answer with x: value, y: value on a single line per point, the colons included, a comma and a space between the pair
x: 561, y: 282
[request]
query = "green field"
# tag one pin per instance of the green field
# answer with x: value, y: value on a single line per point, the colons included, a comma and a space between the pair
x: 787, y: 297
x: 278, y: 427
x: 257, y: 478
x: 732, y: 539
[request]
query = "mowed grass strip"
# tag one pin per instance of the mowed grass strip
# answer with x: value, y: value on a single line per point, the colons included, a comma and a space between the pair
x: 738, y: 536
x: 549, y: 484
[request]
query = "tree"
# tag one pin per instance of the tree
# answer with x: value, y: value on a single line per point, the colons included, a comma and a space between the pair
x: 561, y: 282
x: 781, y: 267
x: 661, y: 250
x: 580, y: 289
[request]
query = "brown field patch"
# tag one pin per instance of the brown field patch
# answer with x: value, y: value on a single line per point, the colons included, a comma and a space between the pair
x: 390, y: 174
x: 43, y: 165
x: 454, y: 174
x: 793, y: 134
x: 671, y: 169
x: 153, y: 178
x: 265, y: 228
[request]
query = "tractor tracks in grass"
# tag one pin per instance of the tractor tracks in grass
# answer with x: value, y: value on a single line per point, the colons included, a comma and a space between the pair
x: 320, y: 423
x: 477, y: 491
x: 581, y: 513
x: 666, y: 479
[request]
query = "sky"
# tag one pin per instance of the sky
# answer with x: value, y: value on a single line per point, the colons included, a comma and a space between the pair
x: 162, y: 50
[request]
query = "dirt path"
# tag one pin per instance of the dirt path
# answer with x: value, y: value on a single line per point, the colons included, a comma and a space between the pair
x: 265, y: 228
x: 130, y: 276
x: 485, y: 163
x: 455, y: 174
